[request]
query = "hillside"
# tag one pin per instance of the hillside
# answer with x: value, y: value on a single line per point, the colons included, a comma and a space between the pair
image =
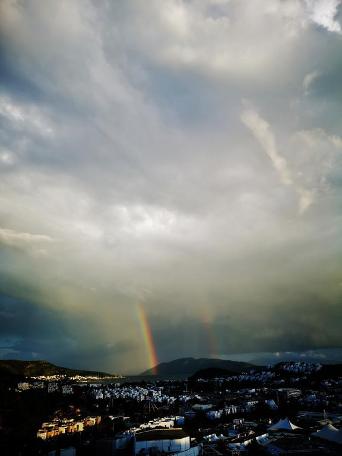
x: 35, y: 368
x: 188, y: 366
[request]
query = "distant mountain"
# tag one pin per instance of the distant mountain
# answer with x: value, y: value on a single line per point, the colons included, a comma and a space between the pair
x: 14, y: 367
x: 189, y: 366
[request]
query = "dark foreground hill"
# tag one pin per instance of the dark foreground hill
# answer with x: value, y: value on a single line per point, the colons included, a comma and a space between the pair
x: 188, y: 366
x: 18, y: 368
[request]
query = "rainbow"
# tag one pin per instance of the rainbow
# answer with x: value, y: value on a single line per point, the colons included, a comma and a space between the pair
x: 209, y: 334
x: 148, y: 338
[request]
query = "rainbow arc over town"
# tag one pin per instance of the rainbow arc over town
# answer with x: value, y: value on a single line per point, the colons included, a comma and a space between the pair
x: 148, y: 339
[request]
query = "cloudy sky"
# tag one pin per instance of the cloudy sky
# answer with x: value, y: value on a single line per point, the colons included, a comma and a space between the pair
x: 180, y: 156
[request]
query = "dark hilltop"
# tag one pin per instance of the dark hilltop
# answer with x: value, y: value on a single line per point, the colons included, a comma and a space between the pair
x: 188, y: 366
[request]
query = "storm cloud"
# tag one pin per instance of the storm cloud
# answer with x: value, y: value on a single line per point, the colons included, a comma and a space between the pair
x: 184, y: 156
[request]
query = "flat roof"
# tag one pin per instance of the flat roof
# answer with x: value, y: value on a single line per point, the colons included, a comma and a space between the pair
x: 161, y: 434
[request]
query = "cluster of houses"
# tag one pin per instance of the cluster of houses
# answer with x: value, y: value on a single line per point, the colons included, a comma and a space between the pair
x: 165, y: 437
x: 301, y: 367
x: 49, y: 386
x: 311, y: 433
x: 137, y: 393
x: 278, y: 438
x: 235, y: 415
x: 166, y: 422
x: 75, y: 378
x: 58, y: 427
x: 252, y: 376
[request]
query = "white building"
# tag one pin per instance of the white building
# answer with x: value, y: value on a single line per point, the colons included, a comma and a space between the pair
x: 67, y: 389
x: 166, y: 440
x: 53, y: 387
x: 23, y: 386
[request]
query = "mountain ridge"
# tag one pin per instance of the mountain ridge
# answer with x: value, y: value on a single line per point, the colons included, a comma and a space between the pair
x: 189, y: 366
x: 35, y: 368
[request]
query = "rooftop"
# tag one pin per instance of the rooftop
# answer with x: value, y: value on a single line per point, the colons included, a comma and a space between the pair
x: 161, y: 434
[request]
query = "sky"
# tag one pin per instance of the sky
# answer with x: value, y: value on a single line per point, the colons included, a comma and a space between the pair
x: 170, y: 179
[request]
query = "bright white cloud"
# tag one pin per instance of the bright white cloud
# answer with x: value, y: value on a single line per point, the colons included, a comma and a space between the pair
x: 263, y: 133
x: 18, y: 239
x: 25, y: 117
x: 324, y: 12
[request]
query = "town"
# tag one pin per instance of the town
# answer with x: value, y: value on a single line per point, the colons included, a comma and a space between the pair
x: 291, y: 408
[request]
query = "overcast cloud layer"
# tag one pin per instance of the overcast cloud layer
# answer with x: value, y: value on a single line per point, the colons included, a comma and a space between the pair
x: 183, y: 155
